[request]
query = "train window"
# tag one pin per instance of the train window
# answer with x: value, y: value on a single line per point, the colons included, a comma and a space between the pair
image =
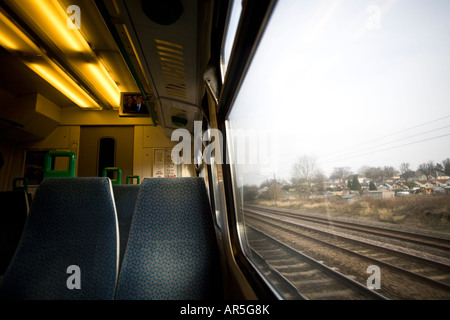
x: 230, y: 33
x: 339, y: 140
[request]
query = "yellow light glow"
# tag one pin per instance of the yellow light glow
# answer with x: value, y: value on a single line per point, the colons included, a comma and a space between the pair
x: 12, y: 38
x: 51, y: 18
x: 7, y: 43
x: 57, y: 78
x: 100, y: 78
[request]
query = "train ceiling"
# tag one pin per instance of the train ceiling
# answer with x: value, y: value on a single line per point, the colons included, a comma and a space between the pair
x: 155, y: 47
x: 171, y: 35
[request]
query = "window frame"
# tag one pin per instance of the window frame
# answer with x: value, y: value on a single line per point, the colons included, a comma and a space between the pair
x: 224, y: 60
x: 254, y: 18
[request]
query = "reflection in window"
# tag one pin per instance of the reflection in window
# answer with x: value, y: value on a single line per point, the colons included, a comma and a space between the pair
x: 230, y: 34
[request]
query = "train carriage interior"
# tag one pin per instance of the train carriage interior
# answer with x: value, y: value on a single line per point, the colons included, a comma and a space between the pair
x: 224, y: 150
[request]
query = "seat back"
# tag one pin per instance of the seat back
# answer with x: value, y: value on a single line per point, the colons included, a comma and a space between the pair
x: 125, y: 197
x: 13, y: 214
x: 69, y: 247
x: 172, y: 249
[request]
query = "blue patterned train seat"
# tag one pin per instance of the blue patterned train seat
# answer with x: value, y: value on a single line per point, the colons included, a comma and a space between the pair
x: 69, y: 247
x: 125, y: 197
x: 14, y: 210
x: 172, y: 249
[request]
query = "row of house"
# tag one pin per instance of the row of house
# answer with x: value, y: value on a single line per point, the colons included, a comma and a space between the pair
x: 398, y: 186
x: 388, y: 188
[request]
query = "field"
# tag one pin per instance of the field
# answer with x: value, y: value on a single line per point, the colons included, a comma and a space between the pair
x: 417, y: 211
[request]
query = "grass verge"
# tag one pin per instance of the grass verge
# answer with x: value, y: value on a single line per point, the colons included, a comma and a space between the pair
x: 426, y: 212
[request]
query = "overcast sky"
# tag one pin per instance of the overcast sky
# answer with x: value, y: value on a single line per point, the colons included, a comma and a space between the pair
x: 351, y: 83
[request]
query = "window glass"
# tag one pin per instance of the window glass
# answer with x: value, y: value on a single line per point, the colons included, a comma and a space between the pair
x: 230, y: 34
x: 343, y: 115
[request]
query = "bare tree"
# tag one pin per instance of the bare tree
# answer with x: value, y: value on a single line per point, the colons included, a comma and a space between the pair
x: 428, y: 169
x: 404, y: 168
x: 304, y: 173
x: 372, y: 173
x: 389, y: 171
x: 405, y: 172
x: 446, y: 164
x: 340, y: 173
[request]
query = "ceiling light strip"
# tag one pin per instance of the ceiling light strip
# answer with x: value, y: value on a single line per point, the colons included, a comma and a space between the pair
x: 61, y: 81
x: 16, y: 41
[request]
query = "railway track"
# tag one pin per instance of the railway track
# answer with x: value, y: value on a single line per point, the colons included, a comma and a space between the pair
x: 430, y: 241
x: 308, y: 278
x: 406, y: 274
